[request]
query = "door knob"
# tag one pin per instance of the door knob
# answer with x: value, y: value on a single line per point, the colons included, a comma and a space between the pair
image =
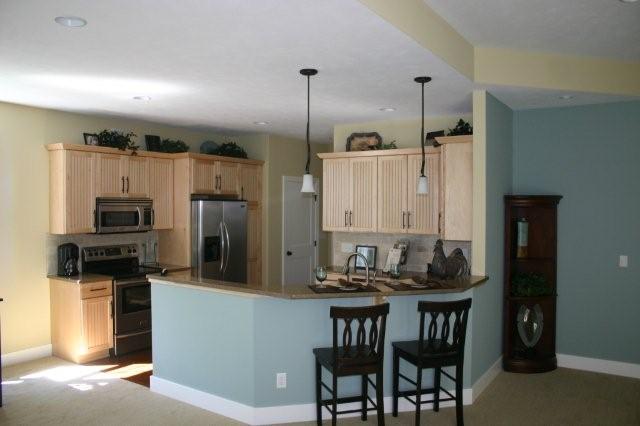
x: 289, y: 253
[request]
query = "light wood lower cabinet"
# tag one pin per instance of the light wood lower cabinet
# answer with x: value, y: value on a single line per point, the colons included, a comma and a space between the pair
x: 254, y: 244
x: 81, y: 320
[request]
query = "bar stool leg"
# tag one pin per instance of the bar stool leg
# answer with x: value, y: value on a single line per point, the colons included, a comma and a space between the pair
x: 418, y: 395
x: 396, y: 379
x: 459, y: 417
x: 380, y: 397
x: 334, y: 401
x: 318, y: 393
x: 365, y: 389
x: 436, y: 389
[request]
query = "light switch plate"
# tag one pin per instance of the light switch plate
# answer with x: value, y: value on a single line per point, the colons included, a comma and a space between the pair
x: 347, y: 248
x: 281, y: 380
x: 624, y: 261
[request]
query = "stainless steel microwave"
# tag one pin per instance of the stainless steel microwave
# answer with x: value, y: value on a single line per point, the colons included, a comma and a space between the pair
x: 124, y: 215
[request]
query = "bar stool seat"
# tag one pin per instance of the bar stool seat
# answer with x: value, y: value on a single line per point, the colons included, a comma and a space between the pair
x: 409, y: 350
x: 361, y: 354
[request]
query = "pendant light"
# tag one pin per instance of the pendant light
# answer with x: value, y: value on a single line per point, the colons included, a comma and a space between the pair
x: 307, y: 179
x: 423, y: 184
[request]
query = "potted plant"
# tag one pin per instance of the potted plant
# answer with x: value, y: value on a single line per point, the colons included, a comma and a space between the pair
x: 117, y: 139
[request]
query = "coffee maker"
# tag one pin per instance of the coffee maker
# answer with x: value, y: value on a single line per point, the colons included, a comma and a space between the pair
x: 68, y: 255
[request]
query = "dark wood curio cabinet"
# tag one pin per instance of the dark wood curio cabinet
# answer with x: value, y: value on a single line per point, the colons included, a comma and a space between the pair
x: 530, y: 287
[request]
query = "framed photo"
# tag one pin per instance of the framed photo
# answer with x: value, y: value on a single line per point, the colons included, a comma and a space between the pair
x: 430, y: 139
x: 370, y: 252
x: 364, y: 141
x: 91, y: 139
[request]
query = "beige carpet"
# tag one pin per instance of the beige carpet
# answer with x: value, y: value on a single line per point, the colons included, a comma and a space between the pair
x: 53, y: 392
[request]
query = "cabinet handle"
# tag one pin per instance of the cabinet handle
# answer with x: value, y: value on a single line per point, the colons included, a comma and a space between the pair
x: 97, y: 289
x: 403, y: 213
x: 122, y: 184
x: 111, y: 308
x: 153, y: 217
x: 242, y: 192
x: 94, y: 219
x: 127, y: 184
x: 439, y: 223
x: 350, y: 218
x: 408, y: 220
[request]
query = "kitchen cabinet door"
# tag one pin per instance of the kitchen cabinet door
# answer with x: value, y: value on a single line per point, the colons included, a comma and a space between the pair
x: 254, y: 245
x: 203, y: 177
x: 335, y: 194
x: 250, y: 183
x: 363, y: 194
x: 110, y: 175
x: 76, y: 181
x: 457, y: 186
x: 161, y: 191
x: 392, y: 194
x: 97, y: 330
x: 136, y: 174
x: 423, y: 210
x: 228, y: 178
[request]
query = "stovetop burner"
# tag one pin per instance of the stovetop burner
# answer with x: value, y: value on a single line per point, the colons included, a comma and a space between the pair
x: 120, y: 262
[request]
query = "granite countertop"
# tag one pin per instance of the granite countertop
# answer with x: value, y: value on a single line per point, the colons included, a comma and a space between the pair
x: 83, y: 278
x: 185, y: 279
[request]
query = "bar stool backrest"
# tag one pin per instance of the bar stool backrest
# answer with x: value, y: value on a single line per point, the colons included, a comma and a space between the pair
x: 446, y: 327
x: 359, y: 347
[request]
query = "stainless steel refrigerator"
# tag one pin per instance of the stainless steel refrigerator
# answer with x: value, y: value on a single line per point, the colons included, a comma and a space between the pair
x: 219, y: 238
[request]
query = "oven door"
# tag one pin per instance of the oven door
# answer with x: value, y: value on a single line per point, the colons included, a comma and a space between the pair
x: 132, y: 300
x: 118, y: 217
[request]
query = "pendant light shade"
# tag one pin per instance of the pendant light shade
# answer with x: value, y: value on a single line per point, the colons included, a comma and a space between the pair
x: 423, y: 183
x: 307, y: 179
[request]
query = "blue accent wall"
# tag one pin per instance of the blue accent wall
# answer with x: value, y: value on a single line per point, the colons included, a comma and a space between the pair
x: 591, y: 156
x: 487, y: 301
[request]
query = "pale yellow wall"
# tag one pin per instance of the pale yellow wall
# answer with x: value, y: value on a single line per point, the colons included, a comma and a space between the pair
x: 287, y: 157
x: 406, y: 133
x: 24, y: 180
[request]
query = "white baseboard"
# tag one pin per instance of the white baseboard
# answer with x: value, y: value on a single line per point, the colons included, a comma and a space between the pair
x: 269, y: 415
x: 481, y: 384
x: 616, y: 368
x: 26, y: 355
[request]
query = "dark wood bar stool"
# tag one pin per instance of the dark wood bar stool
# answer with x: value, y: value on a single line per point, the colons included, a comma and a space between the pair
x: 360, y: 358
x: 443, y: 346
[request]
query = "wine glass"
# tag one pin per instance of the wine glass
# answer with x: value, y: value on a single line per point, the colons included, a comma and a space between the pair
x: 321, y: 275
x: 394, y: 271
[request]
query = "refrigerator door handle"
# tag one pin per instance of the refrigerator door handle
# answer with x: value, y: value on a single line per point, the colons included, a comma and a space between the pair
x: 222, y: 248
x: 226, y: 231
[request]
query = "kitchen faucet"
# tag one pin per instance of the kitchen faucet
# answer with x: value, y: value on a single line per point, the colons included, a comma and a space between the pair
x: 345, y: 268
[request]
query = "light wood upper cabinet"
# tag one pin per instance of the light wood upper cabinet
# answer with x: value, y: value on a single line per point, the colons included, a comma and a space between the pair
x: 72, y: 192
x: 456, y: 171
x: 204, y: 177
x: 228, y: 178
x: 363, y: 194
x: 110, y: 175
x: 423, y: 210
x: 161, y: 191
x: 392, y: 193
x: 251, y: 183
x: 335, y: 194
x: 122, y: 176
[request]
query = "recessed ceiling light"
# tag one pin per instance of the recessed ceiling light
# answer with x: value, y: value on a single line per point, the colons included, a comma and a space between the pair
x: 565, y: 97
x: 260, y: 123
x: 142, y: 98
x: 71, y: 21
x: 387, y: 109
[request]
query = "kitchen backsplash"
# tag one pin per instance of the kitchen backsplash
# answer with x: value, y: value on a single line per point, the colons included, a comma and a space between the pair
x: 142, y: 239
x: 420, y: 248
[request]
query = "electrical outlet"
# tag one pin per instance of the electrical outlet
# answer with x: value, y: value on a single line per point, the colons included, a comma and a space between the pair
x: 281, y: 380
x: 624, y: 261
x: 347, y: 248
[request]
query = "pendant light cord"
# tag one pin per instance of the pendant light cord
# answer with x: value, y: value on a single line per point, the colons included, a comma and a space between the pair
x: 308, y: 108
x: 422, y: 133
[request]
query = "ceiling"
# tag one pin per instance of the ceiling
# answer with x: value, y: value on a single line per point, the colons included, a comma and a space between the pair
x: 221, y: 65
x: 605, y: 28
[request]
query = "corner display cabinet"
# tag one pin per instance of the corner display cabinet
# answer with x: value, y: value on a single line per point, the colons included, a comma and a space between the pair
x: 530, y: 253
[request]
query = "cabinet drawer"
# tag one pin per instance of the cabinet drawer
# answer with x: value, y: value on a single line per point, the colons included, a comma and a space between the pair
x: 97, y: 289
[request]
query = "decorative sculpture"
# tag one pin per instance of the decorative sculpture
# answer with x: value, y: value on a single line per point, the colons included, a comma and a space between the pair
x: 439, y: 262
x: 454, y: 266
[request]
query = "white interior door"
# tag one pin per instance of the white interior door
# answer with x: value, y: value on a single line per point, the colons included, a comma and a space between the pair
x: 299, y: 232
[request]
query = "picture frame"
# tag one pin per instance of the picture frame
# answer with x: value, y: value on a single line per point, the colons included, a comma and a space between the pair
x: 370, y: 252
x: 430, y: 139
x: 364, y: 141
x: 91, y: 139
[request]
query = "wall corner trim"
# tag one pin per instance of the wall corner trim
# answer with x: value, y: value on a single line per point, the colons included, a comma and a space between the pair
x: 25, y: 355
x: 596, y: 365
x: 485, y: 380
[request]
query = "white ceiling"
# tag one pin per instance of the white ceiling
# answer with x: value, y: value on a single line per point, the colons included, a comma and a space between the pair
x: 221, y: 65
x: 607, y: 28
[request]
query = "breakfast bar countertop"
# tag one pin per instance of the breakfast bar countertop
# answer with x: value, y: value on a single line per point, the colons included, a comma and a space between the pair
x: 185, y: 279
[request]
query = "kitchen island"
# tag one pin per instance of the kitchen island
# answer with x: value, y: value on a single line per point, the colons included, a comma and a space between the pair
x: 220, y: 345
